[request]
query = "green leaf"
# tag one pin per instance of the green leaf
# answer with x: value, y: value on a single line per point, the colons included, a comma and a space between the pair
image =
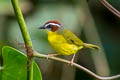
x: 36, y: 72
x: 15, y: 66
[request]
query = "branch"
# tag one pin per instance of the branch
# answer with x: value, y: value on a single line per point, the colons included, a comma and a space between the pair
x: 110, y: 7
x: 76, y: 65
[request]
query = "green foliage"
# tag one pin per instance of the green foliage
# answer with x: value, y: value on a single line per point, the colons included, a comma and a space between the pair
x: 36, y: 72
x: 15, y: 65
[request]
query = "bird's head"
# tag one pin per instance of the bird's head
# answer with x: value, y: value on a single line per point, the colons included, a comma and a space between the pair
x: 51, y: 25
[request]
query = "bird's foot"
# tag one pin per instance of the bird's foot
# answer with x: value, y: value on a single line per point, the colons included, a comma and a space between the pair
x: 48, y: 56
x: 71, y: 63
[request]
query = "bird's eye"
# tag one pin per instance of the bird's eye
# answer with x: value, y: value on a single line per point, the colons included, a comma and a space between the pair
x: 49, y: 26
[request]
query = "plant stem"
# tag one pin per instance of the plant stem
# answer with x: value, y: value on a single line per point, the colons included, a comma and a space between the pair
x: 21, y: 22
x: 31, y: 70
x: 76, y: 65
x: 23, y: 28
x: 26, y: 37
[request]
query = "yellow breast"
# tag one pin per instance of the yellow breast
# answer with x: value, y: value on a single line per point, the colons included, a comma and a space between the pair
x: 60, y: 45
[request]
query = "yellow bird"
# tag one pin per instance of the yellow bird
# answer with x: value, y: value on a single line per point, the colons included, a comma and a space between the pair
x: 63, y: 41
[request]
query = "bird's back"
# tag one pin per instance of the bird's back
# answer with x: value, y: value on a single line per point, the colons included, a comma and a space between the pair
x: 71, y: 37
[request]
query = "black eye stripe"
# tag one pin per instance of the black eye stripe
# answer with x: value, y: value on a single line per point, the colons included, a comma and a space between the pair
x: 49, y: 26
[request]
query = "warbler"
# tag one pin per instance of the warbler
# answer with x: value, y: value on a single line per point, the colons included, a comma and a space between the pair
x: 63, y: 41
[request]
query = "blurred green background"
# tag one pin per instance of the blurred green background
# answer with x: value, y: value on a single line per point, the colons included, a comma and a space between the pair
x: 88, y: 19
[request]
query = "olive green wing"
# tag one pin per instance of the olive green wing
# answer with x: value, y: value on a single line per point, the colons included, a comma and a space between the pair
x: 71, y: 37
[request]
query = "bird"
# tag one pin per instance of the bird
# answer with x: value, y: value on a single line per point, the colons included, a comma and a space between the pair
x: 64, y: 41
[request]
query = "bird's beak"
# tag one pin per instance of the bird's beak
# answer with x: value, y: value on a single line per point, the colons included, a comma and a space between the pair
x: 41, y: 27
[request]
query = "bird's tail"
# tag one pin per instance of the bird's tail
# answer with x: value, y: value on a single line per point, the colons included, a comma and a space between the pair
x: 91, y: 46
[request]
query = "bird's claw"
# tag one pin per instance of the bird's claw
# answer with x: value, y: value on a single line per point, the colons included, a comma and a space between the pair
x: 51, y: 55
x: 48, y: 56
x: 71, y: 63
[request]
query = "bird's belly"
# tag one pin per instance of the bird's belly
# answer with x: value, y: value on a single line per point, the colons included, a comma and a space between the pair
x: 65, y: 49
x: 61, y: 46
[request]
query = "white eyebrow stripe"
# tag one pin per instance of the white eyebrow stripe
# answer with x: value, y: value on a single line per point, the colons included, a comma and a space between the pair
x: 52, y: 24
